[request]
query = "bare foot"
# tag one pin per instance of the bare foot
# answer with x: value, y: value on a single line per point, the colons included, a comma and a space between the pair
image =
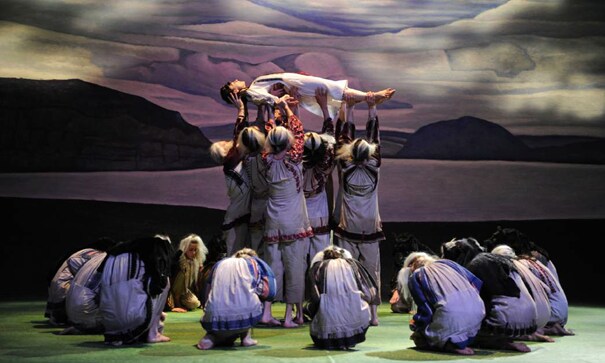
x: 374, y: 322
x: 159, y: 338
x: 248, y: 342
x: 383, y: 95
x: 289, y: 324
x: 451, y: 348
x: 520, y: 347
x: 178, y: 310
x: 537, y: 337
x: 557, y: 329
x: 465, y: 351
x: 163, y: 316
x: 205, y: 343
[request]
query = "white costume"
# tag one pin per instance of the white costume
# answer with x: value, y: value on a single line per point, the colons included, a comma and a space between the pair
x: 81, y: 302
x: 61, y: 282
x: 449, y: 308
x: 341, y: 291
x: 287, y: 227
x: 259, y: 89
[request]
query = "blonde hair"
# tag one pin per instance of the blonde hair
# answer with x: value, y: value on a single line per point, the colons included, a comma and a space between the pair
x: 358, y: 151
x: 245, y: 252
x: 279, y: 139
x: 219, y: 150
x: 191, y: 268
x: 202, y: 250
x: 250, y: 140
x: 418, y: 258
x: 415, y: 259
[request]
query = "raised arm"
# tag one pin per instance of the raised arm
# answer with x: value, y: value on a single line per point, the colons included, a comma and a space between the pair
x: 296, y: 127
x: 321, y: 96
x: 346, y: 123
x: 372, y: 130
x: 242, y: 116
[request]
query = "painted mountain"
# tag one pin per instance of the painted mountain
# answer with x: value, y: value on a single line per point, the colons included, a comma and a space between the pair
x: 72, y: 125
x: 471, y: 138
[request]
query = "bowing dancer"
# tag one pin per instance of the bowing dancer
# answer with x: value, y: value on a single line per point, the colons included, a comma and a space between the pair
x: 537, y: 259
x: 341, y: 291
x: 404, y: 245
x: 82, y: 299
x: 538, y: 291
x: 269, y: 88
x: 359, y: 228
x: 511, y: 312
x: 61, y: 281
x: 449, y: 307
x: 134, y: 286
x: 237, y: 287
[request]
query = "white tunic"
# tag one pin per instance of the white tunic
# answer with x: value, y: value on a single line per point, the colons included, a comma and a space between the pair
x: 359, y: 213
x: 81, y: 300
x: 287, y: 218
x: 260, y: 87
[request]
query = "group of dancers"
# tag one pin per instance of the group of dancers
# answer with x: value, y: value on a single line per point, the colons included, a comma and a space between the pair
x: 287, y: 237
x: 279, y: 180
x: 493, y: 295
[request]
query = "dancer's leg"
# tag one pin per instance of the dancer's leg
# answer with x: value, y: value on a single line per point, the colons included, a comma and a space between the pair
x: 360, y: 96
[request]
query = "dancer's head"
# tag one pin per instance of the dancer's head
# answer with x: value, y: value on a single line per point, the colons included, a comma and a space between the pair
x: 315, y: 147
x: 250, y: 140
x: 245, y: 252
x: 504, y: 250
x: 461, y: 250
x: 357, y: 151
x: 230, y: 87
x: 219, y: 150
x: 416, y: 260
x: 331, y: 253
x: 278, y: 140
x: 193, y: 248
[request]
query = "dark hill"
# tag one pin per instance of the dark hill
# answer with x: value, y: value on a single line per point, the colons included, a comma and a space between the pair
x: 72, y: 125
x: 465, y: 138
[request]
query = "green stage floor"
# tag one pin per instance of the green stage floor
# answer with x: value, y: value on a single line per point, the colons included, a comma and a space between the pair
x: 26, y: 337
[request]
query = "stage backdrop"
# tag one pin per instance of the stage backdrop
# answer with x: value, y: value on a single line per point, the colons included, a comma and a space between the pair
x: 510, y: 93
x: 498, y: 114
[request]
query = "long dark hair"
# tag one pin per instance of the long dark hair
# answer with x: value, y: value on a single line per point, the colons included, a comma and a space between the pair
x: 226, y: 91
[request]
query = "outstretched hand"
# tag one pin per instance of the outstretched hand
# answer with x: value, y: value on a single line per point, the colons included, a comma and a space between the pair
x: 321, y: 96
x: 236, y: 100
